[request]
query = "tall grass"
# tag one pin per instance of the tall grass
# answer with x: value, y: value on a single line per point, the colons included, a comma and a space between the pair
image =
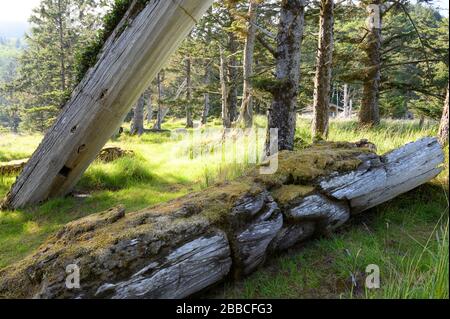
x: 425, y: 275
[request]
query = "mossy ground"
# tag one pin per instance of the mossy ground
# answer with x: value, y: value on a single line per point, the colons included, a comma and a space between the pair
x: 399, y: 236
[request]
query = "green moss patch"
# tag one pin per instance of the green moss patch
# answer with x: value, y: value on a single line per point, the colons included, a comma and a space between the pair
x: 305, y: 166
x: 287, y: 193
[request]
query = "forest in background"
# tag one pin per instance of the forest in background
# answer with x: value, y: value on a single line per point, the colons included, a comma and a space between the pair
x: 39, y: 72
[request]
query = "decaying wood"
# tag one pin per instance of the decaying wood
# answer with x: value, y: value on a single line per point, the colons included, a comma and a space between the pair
x: 130, y: 59
x: 13, y: 167
x: 184, y: 246
x: 380, y: 179
x: 106, y: 155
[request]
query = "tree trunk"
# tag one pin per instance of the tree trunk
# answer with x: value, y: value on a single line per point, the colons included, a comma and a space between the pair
x: 62, y: 59
x: 350, y: 107
x: 369, y: 113
x: 322, y: 79
x: 149, y: 106
x: 137, y: 124
x: 132, y: 56
x: 443, y: 128
x: 283, y: 113
x: 232, y: 68
x: 346, y: 101
x: 246, y: 112
x: 224, y: 90
x: 206, y: 106
x: 189, y: 121
x: 160, y: 85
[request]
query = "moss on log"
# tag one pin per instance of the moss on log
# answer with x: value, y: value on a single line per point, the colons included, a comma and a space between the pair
x: 176, y: 249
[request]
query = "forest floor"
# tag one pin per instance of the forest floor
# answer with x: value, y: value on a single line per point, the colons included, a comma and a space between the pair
x: 407, y: 238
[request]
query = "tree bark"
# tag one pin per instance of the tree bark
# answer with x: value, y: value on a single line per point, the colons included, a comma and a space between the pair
x: 137, y: 124
x: 443, y: 127
x: 322, y: 80
x: 224, y: 90
x: 149, y: 105
x: 232, y: 75
x: 347, y: 111
x: 160, y: 85
x: 189, y: 121
x: 283, y: 113
x: 369, y: 113
x: 246, y: 111
x: 131, y: 57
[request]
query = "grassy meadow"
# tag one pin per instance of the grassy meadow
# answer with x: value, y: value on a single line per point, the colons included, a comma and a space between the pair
x: 406, y: 237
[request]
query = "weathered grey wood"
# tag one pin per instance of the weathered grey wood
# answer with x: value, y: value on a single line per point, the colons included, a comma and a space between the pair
x: 179, y: 248
x: 292, y: 234
x: 251, y: 244
x: 186, y: 270
x: 381, y: 179
x: 129, y: 61
x: 331, y: 214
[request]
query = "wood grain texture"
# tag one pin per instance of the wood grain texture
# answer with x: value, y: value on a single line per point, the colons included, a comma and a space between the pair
x: 381, y: 179
x: 129, y: 61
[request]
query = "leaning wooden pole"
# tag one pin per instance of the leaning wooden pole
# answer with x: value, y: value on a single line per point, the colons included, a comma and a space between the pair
x: 130, y: 59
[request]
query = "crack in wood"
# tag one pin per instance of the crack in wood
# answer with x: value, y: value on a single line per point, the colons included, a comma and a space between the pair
x: 185, y: 11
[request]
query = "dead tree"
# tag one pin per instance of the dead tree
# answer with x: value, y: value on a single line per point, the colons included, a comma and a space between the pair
x: 322, y: 80
x: 132, y: 56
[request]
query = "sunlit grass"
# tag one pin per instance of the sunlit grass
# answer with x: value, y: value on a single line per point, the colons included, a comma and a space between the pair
x: 17, y: 146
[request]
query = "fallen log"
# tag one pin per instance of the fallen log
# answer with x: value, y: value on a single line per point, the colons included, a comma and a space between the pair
x: 12, y: 167
x: 179, y: 248
x: 137, y: 49
x: 106, y: 155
